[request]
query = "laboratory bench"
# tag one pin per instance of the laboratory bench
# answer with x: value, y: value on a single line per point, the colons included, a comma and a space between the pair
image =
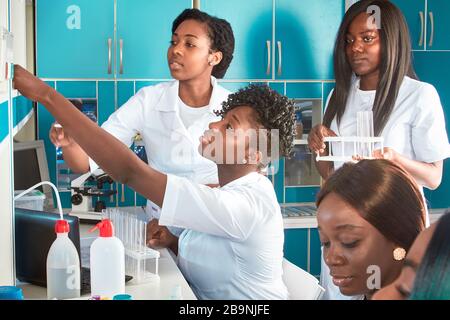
x: 169, y: 278
x: 302, y: 247
x: 170, y: 275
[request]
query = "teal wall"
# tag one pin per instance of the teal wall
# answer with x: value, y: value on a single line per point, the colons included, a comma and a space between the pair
x: 21, y: 108
x: 4, y: 124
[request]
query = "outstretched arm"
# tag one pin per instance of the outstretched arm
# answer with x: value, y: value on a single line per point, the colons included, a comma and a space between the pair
x: 111, y: 154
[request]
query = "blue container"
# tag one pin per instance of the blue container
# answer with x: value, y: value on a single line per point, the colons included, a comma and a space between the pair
x: 10, y: 293
x: 122, y: 297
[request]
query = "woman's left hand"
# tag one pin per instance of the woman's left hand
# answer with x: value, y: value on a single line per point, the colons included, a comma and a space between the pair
x: 160, y: 237
x: 387, y: 153
x: 28, y: 85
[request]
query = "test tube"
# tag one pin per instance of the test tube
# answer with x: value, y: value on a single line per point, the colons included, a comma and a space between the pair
x: 135, y: 232
x: 140, y: 236
x: 145, y: 244
x: 364, y: 130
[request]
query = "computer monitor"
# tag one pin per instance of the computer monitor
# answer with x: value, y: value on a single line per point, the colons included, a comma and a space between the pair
x: 34, y: 235
x: 31, y: 167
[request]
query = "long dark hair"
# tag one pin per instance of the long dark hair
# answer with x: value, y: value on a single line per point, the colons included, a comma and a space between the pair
x: 220, y: 33
x: 433, y: 276
x: 394, y: 66
x: 384, y: 194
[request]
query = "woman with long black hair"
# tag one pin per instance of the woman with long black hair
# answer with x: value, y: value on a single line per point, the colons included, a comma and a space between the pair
x: 373, y: 70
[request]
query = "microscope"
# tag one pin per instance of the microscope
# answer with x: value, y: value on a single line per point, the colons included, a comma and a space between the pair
x: 84, y: 188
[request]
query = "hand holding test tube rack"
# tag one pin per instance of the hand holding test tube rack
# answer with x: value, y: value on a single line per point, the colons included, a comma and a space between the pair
x: 364, y: 144
x: 141, y: 262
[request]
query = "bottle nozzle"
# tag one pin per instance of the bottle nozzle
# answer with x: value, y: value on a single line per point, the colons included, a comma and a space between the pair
x: 62, y: 226
x: 106, y: 228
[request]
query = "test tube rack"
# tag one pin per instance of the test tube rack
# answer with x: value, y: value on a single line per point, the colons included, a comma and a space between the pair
x: 141, y: 262
x: 358, y: 143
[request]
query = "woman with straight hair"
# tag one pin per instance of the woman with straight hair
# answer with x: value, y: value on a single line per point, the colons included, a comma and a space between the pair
x: 373, y: 70
x: 363, y: 227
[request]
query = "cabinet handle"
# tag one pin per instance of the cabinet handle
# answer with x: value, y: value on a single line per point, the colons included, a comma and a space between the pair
x: 422, y: 25
x: 121, y: 56
x: 268, y: 57
x: 430, y: 43
x: 279, y: 58
x: 109, y: 55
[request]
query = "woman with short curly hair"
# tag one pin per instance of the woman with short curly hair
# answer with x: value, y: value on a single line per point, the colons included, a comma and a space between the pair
x: 232, y: 243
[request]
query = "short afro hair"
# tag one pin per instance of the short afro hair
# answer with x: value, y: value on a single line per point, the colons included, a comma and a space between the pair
x: 219, y: 32
x: 274, y: 110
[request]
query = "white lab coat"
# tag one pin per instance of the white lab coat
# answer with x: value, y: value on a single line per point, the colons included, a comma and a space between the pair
x: 232, y: 245
x: 171, y: 147
x: 415, y: 129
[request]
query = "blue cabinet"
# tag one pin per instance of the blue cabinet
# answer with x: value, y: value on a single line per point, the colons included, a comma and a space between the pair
x: 305, y: 33
x: 432, y: 67
x: 283, y: 39
x: 302, y: 247
x: 296, y: 247
x: 251, y: 21
x: 143, y: 36
x: 315, y: 252
x: 438, y: 25
x: 415, y: 15
x: 428, y: 23
x: 74, y: 38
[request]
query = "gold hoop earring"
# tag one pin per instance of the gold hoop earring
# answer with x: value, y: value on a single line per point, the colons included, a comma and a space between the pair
x: 399, y: 254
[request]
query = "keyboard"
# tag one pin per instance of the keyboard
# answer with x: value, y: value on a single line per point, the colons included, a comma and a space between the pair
x: 85, y: 278
x: 297, y: 211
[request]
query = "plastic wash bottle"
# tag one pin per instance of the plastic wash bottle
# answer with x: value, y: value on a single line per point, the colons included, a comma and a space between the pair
x: 63, y: 265
x: 107, y: 262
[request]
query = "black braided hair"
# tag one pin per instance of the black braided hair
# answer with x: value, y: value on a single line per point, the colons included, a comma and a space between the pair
x: 274, y: 110
x: 219, y: 32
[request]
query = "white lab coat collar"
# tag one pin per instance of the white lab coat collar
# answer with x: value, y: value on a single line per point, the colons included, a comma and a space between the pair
x: 168, y: 102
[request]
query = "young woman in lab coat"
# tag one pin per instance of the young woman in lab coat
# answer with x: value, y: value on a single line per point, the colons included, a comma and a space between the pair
x: 372, y: 64
x: 368, y: 216
x: 232, y: 245
x: 171, y: 116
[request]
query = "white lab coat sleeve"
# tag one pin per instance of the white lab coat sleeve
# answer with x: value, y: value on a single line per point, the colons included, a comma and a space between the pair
x: 128, y: 120
x: 225, y: 213
x: 429, y: 136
